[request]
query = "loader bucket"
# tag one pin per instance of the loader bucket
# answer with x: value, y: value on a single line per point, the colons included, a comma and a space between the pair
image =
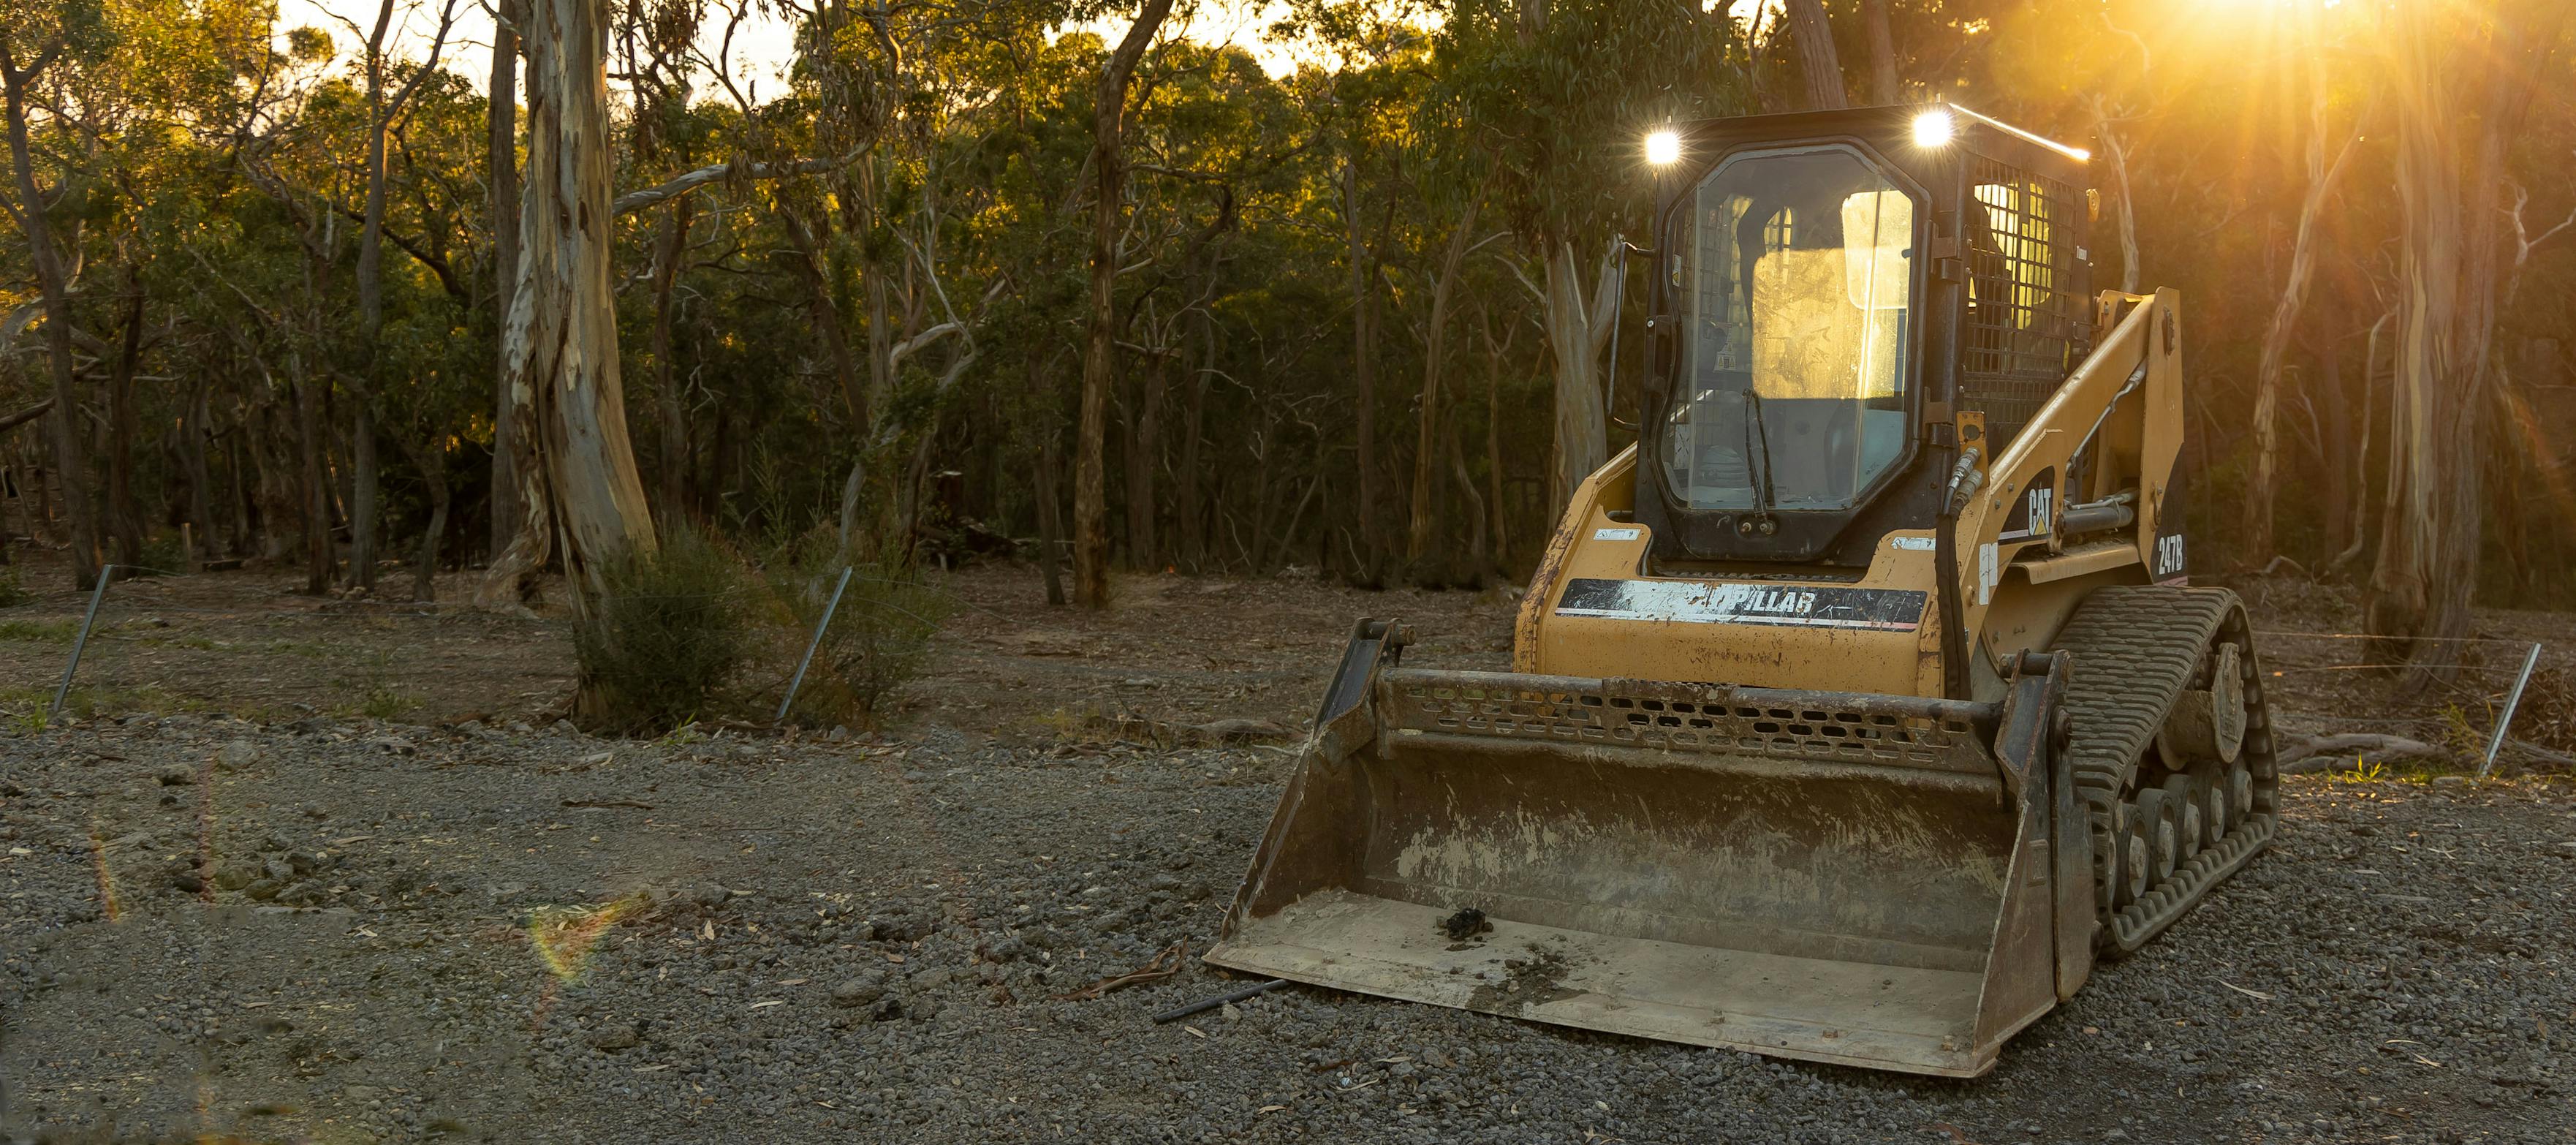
x: 1866, y: 880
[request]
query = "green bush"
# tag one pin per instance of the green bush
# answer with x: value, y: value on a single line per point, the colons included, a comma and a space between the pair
x: 665, y: 634
x: 880, y: 636
x: 13, y: 591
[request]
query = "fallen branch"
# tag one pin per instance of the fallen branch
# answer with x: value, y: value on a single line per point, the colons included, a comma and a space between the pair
x: 2326, y: 753
x: 1164, y: 965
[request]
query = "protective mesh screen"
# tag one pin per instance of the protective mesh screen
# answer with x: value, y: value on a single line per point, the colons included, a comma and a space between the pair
x: 2023, y: 310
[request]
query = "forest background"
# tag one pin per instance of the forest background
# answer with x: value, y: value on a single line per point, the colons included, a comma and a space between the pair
x: 1348, y: 298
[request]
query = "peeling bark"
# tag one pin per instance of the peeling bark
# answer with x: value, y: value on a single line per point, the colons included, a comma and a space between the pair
x: 578, y: 485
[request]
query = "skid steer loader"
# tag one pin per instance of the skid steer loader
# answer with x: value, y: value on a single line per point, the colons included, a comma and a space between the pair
x: 1859, y: 707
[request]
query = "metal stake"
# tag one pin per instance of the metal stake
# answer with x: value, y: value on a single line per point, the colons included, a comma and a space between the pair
x: 2511, y: 700
x: 817, y: 642
x: 79, y: 642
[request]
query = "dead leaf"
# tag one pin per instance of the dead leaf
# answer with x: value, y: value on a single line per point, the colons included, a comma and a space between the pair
x: 351, y: 839
x: 769, y: 1003
x: 1268, y: 1109
x: 791, y: 981
x: 2257, y: 995
x: 1195, y: 1031
x: 708, y: 931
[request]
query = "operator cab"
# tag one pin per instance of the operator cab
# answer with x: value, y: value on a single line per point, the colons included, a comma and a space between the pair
x: 1833, y: 288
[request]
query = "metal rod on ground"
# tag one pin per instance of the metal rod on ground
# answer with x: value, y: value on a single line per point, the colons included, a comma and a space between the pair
x: 817, y: 642
x: 1205, y: 1004
x: 2511, y: 700
x: 79, y: 642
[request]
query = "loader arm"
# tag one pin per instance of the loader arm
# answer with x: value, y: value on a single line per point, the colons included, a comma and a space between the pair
x: 2089, y: 490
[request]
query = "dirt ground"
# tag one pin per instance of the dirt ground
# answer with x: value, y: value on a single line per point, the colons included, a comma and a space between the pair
x: 328, y: 871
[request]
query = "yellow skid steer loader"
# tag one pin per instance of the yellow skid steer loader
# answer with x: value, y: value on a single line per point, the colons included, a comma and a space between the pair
x: 1864, y: 702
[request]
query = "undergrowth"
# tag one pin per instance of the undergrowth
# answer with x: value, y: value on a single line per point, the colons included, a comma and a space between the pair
x: 662, y: 636
x: 880, y: 636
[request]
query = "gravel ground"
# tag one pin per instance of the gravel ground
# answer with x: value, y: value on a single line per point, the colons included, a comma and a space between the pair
x: 470, y: 935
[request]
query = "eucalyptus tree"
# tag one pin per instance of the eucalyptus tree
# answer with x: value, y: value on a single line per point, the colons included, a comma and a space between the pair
x: 1109, y: 188
x: 576, y: 467
x: 39, y: 45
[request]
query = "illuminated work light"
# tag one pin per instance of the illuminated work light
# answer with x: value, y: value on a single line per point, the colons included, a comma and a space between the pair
x: 1934, y: 129
x: 1663, y: 148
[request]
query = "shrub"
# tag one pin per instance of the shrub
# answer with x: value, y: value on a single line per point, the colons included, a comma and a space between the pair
x: 665, y: 633
x: 13, y: 591
x: 880, y: 636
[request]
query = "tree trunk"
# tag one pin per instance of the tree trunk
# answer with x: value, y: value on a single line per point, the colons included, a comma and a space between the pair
x: 577, y: 468
x: 200, y: 482
x: 124, y: 514
x: 63, y: 426
x: 1363, y: 273
x: 1884, y: 86
x: 2464, y: 86
x: 2265, y: 481
x: 1108, y: 162
x: 1144, y: 450
x: 666, y: 390
x: 502, y: 162
x: 431, y: 461
x: 371, y: 316
x: 2124, y: 208
x: 1816, y: 56
x: 1190, y: 511
x: 362, y: 492
x: 1576, y: 335
x: 1435, y: 341
x: 318, y: 556
x: 1501, y: 357
x: 1494, y: 468
x: 2339, y: 434
x: 1050, y: 498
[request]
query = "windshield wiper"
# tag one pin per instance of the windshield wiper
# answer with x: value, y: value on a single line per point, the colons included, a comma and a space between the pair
x: 1761, y: 434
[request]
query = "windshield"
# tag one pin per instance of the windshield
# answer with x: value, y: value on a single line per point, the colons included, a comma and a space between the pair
x: 1795, y: 271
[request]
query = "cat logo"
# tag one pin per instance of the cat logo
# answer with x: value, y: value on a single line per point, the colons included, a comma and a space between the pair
x: 2035, y: 514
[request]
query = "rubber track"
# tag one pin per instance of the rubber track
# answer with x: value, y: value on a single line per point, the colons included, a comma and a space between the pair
x: 2135, y: 649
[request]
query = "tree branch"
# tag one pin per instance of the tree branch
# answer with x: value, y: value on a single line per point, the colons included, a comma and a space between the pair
x: 26, y: 415
x: 650, y: 197
x: 437, y: 266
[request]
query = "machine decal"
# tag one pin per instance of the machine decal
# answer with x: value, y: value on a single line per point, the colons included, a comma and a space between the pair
x: 2035, y: 514
x: 2170, y: 564
x: 1616, y: 534
x: 1798, y: 606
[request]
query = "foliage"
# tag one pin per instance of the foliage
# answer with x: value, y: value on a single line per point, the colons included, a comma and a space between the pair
x: 667, y: 631
x: 884, y: 279
x: 13, y: 588
x: 374, y: 693
x: 880, y: 637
